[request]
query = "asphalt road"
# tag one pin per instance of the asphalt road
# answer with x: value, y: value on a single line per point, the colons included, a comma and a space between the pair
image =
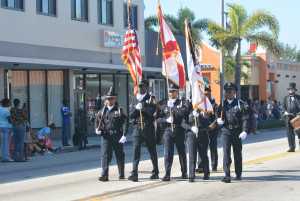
x: 270, y: 173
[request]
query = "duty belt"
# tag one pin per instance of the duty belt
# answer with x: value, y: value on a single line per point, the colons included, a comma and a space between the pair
x: 174, y: 126
x: 202, y: 129
x: 145, y: 123
x: 111, y: 132
x: 231, y: 127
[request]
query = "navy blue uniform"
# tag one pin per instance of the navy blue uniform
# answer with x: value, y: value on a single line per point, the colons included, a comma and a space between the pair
x: 148, y: 134
x: 235, y: 121
x: 200, y: 143
x: 179, y: 111
x: 114, y: 125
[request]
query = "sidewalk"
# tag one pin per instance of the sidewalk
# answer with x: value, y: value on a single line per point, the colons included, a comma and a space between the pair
x: 93, y: 142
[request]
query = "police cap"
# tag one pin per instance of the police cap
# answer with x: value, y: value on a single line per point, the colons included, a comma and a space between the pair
x: 230, y: 86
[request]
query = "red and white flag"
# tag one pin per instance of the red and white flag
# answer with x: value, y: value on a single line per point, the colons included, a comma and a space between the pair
x: 171, y: 54
x: 131, y: 52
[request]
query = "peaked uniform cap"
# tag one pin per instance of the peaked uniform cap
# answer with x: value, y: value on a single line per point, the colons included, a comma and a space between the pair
x: 230, y: 86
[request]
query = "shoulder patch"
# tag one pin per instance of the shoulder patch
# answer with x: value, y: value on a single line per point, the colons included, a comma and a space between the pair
x: 154, y: 101
x: 123, y: 111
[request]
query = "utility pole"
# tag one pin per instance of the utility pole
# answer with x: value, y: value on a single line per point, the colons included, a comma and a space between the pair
x: 222, y: 56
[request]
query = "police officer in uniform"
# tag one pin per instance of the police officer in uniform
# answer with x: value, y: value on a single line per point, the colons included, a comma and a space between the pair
x: 143, y: 129
x: 113, y: 133
x: 234, y: 127
x: 197, y: 138
x: 291, y: 108
x: 179, y: 111
x: 212, y: 135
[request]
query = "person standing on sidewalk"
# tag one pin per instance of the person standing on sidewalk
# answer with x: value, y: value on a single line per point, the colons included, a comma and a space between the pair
x: 5, y: 130
x: 233, y: 119
x: 18, y: 119
x: 142, y: 111
x: 66, y: 114
x: 173, y: 131
x: 291, y: 107
x: 113, y: 130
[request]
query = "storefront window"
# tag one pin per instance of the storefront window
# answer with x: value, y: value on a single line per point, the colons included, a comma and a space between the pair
x: 121, y: 90
x: 19, y: 87
x: 93, y: 97
x: 55, y: 96
x: 78, y: 82
x: 131, y: 89
x: 37, y: 86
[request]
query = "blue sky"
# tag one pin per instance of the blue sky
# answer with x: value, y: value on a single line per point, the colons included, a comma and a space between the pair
x: 287, y: 13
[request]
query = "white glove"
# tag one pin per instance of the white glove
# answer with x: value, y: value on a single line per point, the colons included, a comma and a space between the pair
x: 194, y: 129
x: 220, y: 121
x: 286, y: 113
x: 195, y: 113
x: 243, y: 135
x: 98, y: 132
x: 139, y: 106
x: 123, y: 139
x: 170, y: 120
x: 170, y: 103
x: 139, y: 97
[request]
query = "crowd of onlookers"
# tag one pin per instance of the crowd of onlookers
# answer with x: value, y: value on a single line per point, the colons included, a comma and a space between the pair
x: 262, y: 110
x: 17, y: 138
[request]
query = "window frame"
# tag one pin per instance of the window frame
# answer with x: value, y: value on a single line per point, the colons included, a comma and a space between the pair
x: 73, y: 12
x: 99, y: 10
x: 126, y: 17
x: 47, y: 14
x: 12, y: 8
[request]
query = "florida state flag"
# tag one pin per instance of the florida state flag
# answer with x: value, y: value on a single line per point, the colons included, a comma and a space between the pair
x: 173, y: 66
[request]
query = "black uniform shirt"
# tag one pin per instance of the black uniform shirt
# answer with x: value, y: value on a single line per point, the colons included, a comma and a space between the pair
x: 179, y: 112
x: 202, y: 121
x: 149, y: 106
x: 234, y: 114
x: 114, y: 119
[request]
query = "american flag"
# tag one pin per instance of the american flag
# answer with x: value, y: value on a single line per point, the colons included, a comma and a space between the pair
x: 131, y: 52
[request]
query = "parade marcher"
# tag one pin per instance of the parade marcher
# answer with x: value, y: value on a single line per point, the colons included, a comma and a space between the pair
x: 213, y: 136
x: 233, y: 119
x: 143, y: 129
x: 197, y: 139
x: 291, y: 108
x: 179, y: 111
x: 113, y: 131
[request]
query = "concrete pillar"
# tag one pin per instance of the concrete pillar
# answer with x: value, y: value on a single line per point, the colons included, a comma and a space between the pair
x: 2, y: 82
x: 71, y: 98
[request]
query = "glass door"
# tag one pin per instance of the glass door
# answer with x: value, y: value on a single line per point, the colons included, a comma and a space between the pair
x: 80, y: 111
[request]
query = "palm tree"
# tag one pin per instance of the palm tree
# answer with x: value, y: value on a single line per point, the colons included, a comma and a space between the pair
x: 242, y: 26
x: 177, y: 25
x: 230, y: 69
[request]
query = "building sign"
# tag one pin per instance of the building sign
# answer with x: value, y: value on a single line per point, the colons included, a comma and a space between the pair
x: 206, y: 66
x: 111, y: 39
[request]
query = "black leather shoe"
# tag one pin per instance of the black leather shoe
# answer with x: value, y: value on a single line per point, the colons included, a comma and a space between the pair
x: 206, y: 177
x: 122, y: 177
x: 226, y: 179
x: 166, y: 178
x: 290, y: 150
x: 133, y: 178
x: 103, y: 178
x: 214, y: 169
x: 184, y: 176
x: 238, y: 178
x: 199, y: 170
x: 192, y: 180
x: 154, y: 176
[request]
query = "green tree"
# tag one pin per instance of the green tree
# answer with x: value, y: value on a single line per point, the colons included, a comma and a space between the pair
x: 176, y: 23
x: 230, y: 69
x: 242, y: 26
x: 289, y: 53
x: 298, y: 56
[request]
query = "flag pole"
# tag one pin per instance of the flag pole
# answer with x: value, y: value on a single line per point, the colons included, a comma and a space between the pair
x: 168, y: 89
x: 136, y: 73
